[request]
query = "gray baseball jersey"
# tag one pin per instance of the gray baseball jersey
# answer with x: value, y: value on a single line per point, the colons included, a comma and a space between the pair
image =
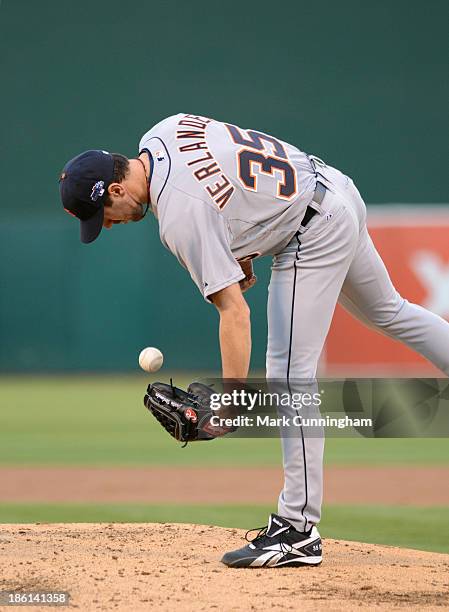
x: 222, y: 193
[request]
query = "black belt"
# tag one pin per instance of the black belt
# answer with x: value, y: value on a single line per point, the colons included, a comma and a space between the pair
x: 318, y: 196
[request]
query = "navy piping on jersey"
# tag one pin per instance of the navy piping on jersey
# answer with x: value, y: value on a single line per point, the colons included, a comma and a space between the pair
x: 169, y: 164
x: 150, y: 174
x: 288, y: 382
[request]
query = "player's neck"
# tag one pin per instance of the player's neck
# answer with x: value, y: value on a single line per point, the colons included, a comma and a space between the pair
x: 137, y: 180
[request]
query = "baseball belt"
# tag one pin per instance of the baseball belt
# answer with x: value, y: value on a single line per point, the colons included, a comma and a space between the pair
x: 320, y: 192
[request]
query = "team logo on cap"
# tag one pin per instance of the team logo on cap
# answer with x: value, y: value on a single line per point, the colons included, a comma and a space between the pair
x: 97, y: 191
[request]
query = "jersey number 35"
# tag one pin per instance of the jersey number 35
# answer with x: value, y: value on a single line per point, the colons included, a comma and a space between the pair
x: 263, y: 154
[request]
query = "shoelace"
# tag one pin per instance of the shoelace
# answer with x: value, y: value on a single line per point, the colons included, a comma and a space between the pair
x: 261, y: 536
x: 261, y: 533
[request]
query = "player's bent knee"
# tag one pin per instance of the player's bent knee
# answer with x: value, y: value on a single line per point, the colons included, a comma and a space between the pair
x: 388, y: 316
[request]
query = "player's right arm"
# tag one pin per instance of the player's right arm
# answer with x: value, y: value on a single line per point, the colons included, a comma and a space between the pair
x: 235, y: 331
x: 198, y: 236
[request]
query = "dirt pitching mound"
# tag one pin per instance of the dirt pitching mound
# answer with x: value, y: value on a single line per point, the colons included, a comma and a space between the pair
x: 176, y: 567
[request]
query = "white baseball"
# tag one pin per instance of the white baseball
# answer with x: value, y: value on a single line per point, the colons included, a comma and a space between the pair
x: 150, y: 359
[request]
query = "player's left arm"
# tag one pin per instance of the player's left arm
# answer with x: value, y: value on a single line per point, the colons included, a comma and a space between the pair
x: 235, y: 331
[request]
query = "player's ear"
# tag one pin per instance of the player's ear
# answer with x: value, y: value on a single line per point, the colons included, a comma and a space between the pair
x: 116, y: 190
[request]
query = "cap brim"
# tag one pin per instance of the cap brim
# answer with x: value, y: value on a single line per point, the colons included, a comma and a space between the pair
x: 91, y: 228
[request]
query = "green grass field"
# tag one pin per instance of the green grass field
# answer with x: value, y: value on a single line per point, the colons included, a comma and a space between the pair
x: 101, y: 421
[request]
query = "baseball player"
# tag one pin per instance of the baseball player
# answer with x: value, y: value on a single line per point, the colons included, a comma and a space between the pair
x: 223, y: 196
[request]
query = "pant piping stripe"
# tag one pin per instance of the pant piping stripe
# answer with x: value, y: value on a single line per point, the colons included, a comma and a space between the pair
x: 288, y: 381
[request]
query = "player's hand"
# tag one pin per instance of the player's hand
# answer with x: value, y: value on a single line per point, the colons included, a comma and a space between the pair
x: 247, y: 283
x: 250, y: 278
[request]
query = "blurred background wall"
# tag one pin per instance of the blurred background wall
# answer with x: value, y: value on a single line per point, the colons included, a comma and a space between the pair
x: 361, y: 84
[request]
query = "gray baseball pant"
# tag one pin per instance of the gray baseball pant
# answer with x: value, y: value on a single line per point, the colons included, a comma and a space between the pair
x: 333, y: 259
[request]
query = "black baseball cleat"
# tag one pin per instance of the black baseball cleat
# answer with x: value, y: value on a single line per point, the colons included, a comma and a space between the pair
x: 277, y: 545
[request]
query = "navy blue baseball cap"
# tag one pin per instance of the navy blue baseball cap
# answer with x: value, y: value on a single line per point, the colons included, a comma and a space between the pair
x: 83, y: 186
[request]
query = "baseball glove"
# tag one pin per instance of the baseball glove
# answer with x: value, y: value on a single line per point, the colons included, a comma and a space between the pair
x: 186, y: 415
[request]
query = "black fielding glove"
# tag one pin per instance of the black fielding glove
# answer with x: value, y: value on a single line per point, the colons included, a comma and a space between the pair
x: 185, y: 415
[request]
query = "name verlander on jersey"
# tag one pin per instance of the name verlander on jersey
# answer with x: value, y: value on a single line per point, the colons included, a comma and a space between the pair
x: 205, y: 167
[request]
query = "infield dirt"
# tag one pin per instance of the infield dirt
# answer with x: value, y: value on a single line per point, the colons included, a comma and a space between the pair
x: 171, y: 567
x: 184, y: 485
